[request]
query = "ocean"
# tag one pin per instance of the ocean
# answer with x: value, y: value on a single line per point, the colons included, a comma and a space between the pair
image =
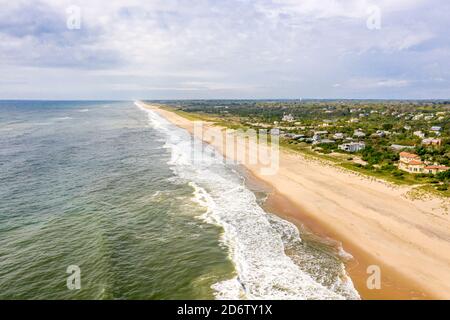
x: 109, y: 187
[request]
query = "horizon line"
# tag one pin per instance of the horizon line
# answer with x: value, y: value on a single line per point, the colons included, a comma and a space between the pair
x: 232, y: 99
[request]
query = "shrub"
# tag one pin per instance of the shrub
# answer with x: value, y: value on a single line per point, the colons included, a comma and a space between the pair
x: 388, y: 167
x: 443, y: 175
x: 398, y: 173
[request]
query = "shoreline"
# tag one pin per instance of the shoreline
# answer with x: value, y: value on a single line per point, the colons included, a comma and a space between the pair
x: 393, y: 285
x: 409, y: 240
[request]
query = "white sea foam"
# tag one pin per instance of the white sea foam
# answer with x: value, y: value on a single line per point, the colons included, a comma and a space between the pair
x: 62, y: 118
x: 255, y: 239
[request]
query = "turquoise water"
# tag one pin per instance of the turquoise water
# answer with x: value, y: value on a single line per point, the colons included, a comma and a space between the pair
x: 109, y: 187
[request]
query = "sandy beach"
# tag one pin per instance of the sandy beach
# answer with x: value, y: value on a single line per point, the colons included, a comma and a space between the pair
x: 376, y: 222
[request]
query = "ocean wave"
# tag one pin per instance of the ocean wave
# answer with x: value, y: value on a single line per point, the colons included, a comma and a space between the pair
x: 62, y: 118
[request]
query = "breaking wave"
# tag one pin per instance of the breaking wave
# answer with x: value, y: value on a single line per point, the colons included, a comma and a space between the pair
x: 270, y: 259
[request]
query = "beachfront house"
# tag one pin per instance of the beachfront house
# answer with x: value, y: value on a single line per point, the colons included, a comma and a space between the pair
x: 352, y: 146
x: 410, y: 162
x: 434, y: 169
x: 406, y: 156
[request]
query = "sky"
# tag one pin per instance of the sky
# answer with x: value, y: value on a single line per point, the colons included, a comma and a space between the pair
x: 224, y: 49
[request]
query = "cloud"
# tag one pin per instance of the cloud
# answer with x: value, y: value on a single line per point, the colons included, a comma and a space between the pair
x: 374, y: 83
x: 233, y: 48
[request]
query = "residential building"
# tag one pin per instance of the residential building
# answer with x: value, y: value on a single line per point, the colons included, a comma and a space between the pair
x: 352, y: 146
x: 381, y: 133
x: 432, y: 142
x: 410, y: 162
x: 436, y: 128
x: 327, y: 141
x: 433, y: 169
x: 316, y: 139
x: 406, y: 156
x: 359, y: 133
x: 288, y: 118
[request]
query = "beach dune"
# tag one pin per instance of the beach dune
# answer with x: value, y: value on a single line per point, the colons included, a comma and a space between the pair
x: 378, y: 223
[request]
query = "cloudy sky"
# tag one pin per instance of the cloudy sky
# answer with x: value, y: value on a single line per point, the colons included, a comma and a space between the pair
x: 184, y: 49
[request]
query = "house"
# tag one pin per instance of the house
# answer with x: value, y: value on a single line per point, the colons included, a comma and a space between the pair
x: 358, y: 133
x: 381, y: 133
x: 436, y: 128
x: 435, y: 169
x: 327, y: 141
x: 338, y: 135
x: 431, y: 142
x: 406, y: 156
x: 352, y: 146
x: 410, y: 162
x: 419, y: 134
x: 316, y: 139
x: 288, y: 118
